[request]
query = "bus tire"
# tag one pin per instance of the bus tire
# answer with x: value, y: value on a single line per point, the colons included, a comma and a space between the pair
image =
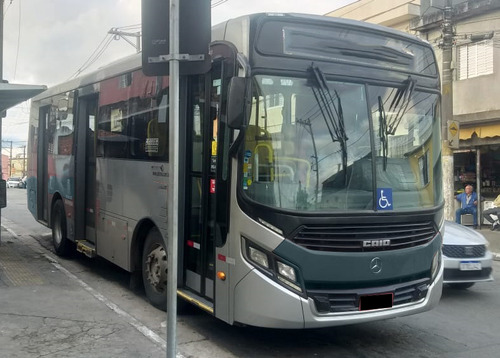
x: 155, y: 269
x: 62, y: 245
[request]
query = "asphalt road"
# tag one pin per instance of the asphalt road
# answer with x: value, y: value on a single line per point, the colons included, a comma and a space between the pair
x: 465, y: 324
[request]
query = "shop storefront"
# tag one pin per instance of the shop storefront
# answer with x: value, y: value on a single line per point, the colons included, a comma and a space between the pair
x: 477, y: 162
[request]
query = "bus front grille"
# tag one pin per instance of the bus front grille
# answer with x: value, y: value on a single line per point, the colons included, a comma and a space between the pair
x: 336, y: 301
x: 365, y: 236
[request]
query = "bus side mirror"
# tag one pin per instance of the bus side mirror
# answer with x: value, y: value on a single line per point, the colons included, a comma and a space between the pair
x: 236, y: 103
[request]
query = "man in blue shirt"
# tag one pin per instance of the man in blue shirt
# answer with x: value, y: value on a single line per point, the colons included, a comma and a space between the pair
x: 468, y: 199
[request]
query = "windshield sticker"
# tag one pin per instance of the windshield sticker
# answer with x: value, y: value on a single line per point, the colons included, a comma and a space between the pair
x: 116, y: 121
x: 152, y: 145
x: 247, y: 170
x: 384, y: 198
x: 214, y: 147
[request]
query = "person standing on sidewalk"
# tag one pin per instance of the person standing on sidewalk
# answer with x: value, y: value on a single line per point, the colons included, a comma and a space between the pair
x: 495, y: 210
x: 468, y: 200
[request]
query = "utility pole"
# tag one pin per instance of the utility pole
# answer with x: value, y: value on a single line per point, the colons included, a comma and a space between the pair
x: 173, y: 192
x: 2, y: 114
x: 447, y: 111
x: 119, y: 33
x: 1, y: 48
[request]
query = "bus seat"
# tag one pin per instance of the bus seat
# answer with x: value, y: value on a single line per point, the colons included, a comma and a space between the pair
x: 258, y: 141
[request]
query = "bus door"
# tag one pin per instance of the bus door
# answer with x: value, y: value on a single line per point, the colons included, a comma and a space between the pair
x: 85, y: 170
x: 203, y: 180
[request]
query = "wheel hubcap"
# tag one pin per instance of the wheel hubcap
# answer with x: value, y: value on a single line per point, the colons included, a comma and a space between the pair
x: 157, y: 268
x: 57, y: 229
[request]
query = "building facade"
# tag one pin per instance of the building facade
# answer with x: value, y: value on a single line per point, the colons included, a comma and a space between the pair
x: 18, y: 166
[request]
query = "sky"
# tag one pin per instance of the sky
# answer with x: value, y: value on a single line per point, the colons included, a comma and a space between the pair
x: 47, y: 42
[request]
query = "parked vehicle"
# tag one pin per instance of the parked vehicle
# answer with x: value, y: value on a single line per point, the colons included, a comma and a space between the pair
x: 15, y: 183
x: 466, y: 257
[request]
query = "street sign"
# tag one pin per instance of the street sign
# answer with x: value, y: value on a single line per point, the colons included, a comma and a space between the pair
x: 453, y: 134
x: 194, y: 36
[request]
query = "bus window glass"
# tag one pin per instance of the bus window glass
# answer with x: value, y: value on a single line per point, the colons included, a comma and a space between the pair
x: 60, y: 138
x: 309, y: 147
x: 297, y: 162
x: 403, y: 122
x: 133, y: 118
x: 111, y: 133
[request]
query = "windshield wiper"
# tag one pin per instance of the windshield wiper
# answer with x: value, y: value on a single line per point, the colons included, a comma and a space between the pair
x: 332, y: 114
x: 397, y: 110
x: 306, y: 123
x: 382, y: 130
x: 399, y: 104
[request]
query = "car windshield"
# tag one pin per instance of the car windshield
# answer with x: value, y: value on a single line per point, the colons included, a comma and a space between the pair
x: 314, y: 144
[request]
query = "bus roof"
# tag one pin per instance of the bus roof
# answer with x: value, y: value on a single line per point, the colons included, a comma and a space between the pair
x: 112, y: 69
x: 236, y: 31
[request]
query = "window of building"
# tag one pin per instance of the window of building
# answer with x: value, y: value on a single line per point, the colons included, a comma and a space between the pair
x: 125, y: 80
x: 475, y: 59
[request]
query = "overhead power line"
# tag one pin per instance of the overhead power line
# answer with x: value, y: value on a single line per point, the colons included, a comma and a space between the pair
x: 95, y: 55
x: 217, y: 3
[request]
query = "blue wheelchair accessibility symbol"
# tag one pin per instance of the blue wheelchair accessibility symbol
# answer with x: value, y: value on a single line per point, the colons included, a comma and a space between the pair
x: 384, y: 198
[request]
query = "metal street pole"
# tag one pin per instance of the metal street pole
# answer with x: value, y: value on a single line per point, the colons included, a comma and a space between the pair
x: 10, y: 160
x: 173, y: 192
x: 447, y: 112
x: 1, y: 113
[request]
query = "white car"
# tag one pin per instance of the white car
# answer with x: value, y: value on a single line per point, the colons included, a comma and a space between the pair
x: 14, y: 183
x: 466, y: 257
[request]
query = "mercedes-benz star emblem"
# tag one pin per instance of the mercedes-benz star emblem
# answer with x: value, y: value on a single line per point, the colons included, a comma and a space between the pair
x: 376, y: 265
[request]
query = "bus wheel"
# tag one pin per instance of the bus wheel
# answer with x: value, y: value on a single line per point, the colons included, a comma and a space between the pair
x: 155, y: 269
x: 62, y: 245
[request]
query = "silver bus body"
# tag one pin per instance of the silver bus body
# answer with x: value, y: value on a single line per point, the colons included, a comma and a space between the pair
x: 113, y: 217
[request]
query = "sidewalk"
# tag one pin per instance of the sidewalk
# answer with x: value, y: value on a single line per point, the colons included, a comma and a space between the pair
x: 44, y: 312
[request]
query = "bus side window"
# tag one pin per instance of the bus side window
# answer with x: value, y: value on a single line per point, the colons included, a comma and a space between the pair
x: 156, y: 140
x: 111, y: 138
x: 137, y: 138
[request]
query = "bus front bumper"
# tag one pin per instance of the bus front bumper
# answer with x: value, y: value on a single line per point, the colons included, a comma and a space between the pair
x: 260, y: 301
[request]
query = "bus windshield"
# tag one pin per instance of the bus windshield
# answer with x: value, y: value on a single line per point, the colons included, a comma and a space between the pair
x: 314, y: 144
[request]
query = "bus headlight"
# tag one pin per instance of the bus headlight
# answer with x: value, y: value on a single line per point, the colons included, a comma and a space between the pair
x: 273, y: 266
x: 286, y: 274
x: 258, y: 257
x: 436, y: 262
x: 286, y: 271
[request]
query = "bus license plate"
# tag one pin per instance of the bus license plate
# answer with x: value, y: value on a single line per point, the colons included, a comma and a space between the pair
x: 373, y: 302
x: 470, y: 265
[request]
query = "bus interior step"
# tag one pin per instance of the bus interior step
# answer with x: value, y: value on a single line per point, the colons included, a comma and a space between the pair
x: 85, y: 247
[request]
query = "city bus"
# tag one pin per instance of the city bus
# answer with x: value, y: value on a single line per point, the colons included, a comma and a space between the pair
x: 311, y: 176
